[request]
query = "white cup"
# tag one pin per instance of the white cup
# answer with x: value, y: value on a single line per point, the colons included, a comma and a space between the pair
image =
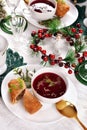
x: 3, y: 48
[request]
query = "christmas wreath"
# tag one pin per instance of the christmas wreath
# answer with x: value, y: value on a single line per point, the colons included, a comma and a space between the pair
x: 75, y: 39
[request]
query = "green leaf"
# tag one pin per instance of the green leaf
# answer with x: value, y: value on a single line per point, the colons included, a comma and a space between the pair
x: 79, y: 47
x: 52, y: 24
x: 70, y: 56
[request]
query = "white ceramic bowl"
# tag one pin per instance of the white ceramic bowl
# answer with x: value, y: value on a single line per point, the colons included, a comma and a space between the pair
x: 49, y: 70
x: 45, y: 15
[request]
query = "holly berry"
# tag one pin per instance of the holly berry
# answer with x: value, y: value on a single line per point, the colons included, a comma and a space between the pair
x: 33, y: 33
x: 71, y: 42
x: 60, y: 64
x: 85, y: 54
x: 48, y: 35
x: 81, y: 59
x: 68, y: 38
x: 78, y: 25
x: 80, y: 30
x: 73, y: 30
x: 43, y: 52
x: 60, y: 59
x: 32, y: 46
x: 52, y: 56
x: 35, y: 49
x: 40, y: 35
x: 77, y: 36
x: 52, y: 62
x: 70, y: 71
x: 45, y: 58
x: 39, y: 48
x: 40, y: 31
x: 67, y: 65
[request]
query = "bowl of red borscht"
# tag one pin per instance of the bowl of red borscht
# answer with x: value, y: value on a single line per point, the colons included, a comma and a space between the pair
x: 42, y: 9
x: 49, y: 85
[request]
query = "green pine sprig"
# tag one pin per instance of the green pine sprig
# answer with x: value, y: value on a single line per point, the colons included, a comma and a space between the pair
x: 70, y: 56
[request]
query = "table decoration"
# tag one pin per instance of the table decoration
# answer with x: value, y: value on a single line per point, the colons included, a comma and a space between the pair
x: 73, y: 36
x: 13, y: 60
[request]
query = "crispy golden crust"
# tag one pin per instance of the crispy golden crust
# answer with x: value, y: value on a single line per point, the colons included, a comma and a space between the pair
x: 16, y: 89
x: 62, y: 8
x: 31, y: 103
x: 26, y: 1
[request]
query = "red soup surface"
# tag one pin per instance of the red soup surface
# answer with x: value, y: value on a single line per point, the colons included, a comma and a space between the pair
x: 49, y: 85
x: 42, y: 5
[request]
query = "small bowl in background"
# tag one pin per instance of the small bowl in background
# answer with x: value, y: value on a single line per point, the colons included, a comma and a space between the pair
x: 42, y: 9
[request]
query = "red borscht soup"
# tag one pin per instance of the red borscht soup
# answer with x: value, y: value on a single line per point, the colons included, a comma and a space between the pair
x: 42, y: 6
x: 49, y: 85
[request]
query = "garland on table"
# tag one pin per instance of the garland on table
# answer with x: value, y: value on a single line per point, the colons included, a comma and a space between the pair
x: 75, y: 39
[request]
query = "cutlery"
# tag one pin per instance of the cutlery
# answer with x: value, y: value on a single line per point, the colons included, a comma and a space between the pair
x: 69, y: 110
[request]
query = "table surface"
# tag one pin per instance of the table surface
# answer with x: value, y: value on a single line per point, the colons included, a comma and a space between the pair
x: 9, y: 121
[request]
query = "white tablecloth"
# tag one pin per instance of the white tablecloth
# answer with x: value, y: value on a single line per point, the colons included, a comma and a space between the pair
x: 9, y: 121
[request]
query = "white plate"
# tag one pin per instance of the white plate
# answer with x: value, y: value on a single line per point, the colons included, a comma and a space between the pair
x: 47, y: 114
x: 69, y: 18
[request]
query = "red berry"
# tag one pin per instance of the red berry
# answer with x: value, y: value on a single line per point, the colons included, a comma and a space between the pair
x: 67, y: 65
x: 85, y: 53
x: 40, y: 35
x: 32, y: 46
x: 35, y: 49
x: 33, y: 33
x: 80, y: 60
x: 71, y: 42
x: 70, y: 71
x: 73, y: 30
x: 52, y: 56
x: 59, y: 58
x: 52, y: 62
x: 45, y: 30
x: 39, y: 48
x: 48, y: 35
x: 45, y: 58
x: 80, y: 31
x: 68, y: 38
x: 78, y: 25
x: 40, y: 31
x: 60, y: 64
x: 43, y: 52
x: 77, y: 36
